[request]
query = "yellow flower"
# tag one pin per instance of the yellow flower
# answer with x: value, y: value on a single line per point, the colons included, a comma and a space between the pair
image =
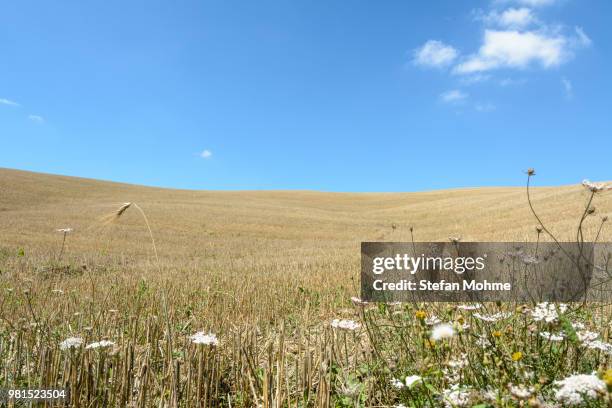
x: 497, y: 333
x: 607, y: 377
x: 517, y: 356
x: 420, y: 314
x: 460, y: 320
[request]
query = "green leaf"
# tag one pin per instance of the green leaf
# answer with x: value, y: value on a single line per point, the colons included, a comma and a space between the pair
x: 431, y: 388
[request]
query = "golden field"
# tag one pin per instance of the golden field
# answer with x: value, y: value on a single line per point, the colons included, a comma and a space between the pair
x: 266, y: 271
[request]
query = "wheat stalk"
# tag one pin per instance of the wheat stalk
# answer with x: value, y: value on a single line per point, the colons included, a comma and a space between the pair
x: 115, y: 215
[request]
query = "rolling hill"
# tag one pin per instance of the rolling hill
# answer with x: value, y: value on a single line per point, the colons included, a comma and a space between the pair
x: 279, y: 223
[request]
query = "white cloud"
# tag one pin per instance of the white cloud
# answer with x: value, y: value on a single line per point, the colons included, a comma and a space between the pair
x: 568, y: 88
x: 36, y: 118
x: 515, y: 39
x: 511, y: 18
x: 434, y: 54
x: 536, y: 3
x: 206, y: 154
x: 514, y: 49
x: 530, y: 3
x: 8, y: 102
x: 452, y: 96
x: 516, y: 17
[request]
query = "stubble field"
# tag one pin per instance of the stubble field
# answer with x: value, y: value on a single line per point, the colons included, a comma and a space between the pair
x: 265, y: 274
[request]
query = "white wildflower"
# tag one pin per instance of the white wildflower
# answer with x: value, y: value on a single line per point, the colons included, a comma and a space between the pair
x: 358, y: 302
x: 432, y: 320
x: 552, y: 336
x: 586, y: 336
x: 71, y: 342
x: 413, y: 379
x: 209, y: 339
x: 470, y: 307
x: 596, y: 187
x: 57, y: 291
x: 574, y: 389
x: 483, y: 342
x: 490, y: 395
x: 100, y: 344
x: 547, y: 312
x: 345, y: 324
x: 64, y: 230
x: 578, y: 326
x: 599, y: 345
x: 397, y: 383
x: 442, y: 331
x: 456, y: 397
x: 458, y: 363
x: 520, y: 392
x: 408, y: 382
x: 494, y: 317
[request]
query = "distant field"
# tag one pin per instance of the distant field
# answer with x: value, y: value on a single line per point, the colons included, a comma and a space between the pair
x: 264, y: 270
x: 303, y: 237
x: 33, y: 205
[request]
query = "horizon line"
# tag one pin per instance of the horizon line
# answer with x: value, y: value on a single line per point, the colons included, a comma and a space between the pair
x: 125, y: 183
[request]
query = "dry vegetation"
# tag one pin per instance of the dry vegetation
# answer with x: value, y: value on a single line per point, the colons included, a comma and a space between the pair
x: 266, y: 272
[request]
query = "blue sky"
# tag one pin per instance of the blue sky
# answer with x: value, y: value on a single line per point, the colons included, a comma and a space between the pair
x: 326, y: 95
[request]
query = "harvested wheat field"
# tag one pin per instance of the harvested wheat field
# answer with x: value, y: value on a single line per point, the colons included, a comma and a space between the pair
x: 231, y: 299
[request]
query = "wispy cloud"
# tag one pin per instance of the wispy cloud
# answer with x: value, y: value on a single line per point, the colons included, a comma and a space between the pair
x: 453, y: 96
x: 474, y: 79
x: 485, y: 107
x: 8, y: 102
x: 206, y: 154
x: 434, y: 54
x: 36, y: 118
x: 568, y: 88
x: 530, y: 3
x: 512, y: 81
x: 583, y: 39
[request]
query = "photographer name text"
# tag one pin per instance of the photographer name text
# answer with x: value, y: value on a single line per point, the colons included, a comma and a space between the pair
x: 441, y: 286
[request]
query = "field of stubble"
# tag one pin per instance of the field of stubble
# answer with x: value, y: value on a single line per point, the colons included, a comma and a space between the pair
x: 245, y: 300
